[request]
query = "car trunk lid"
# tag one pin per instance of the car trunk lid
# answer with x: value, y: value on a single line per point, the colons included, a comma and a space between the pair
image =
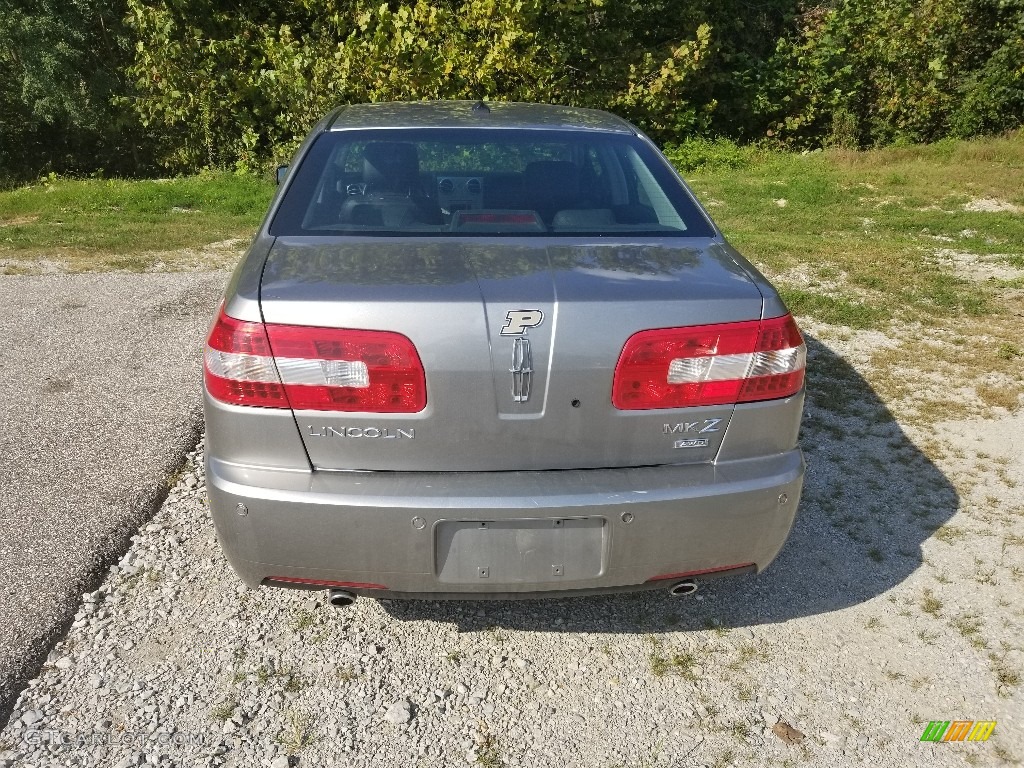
x: 519, y: 341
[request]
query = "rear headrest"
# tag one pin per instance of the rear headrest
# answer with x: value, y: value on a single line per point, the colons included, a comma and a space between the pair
x: 553, y: 184
x: 391, y: 165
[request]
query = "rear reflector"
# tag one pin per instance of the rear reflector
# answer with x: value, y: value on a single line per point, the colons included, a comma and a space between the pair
x: 307, y: 368
x: 321, y: 583
x: 722, y: 570
x: 710, y: 365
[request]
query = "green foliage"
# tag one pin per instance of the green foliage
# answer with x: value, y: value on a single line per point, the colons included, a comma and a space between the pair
x: 700, y: 154
x: 869, y: 73
x: 238, y: 87
x: 61, y: 63
x: 114, y: 85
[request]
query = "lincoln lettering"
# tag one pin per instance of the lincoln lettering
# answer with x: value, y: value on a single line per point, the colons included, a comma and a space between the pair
x: 382, y: 433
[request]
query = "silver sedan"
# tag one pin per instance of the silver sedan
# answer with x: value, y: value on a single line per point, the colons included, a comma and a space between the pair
x: 497, y: 351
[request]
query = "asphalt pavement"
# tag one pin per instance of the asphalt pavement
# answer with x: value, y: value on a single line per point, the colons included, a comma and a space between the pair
x: 100, y: 388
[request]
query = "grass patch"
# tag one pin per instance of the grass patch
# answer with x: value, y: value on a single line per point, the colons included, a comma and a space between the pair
x: 931, y: 604
x: 969, y: 626
x: 298, y: 731
x: 488, y: 749
x: 223, y: 711
x: 699, y: 154
x: 1007, y: 397
x: 950, y: 534
x: 347, y: 674
x: 851, y: 238
x: 117, y: 224
x: 664, y: 663
x: 301, y: 620
x: 1007, y: 678
x: 835, y: 310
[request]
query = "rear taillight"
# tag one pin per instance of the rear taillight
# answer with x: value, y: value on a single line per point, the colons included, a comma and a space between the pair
x: 320, y: 369
x: 710, y: 365
x: 238, y: 366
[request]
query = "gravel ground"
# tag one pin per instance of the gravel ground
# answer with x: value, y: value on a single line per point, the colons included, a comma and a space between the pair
x: 100, y: 403
x: 896, y: 601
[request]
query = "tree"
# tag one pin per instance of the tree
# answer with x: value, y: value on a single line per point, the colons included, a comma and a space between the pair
x: 61, y: 67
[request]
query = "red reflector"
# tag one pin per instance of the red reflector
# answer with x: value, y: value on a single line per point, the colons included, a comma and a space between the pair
x: 321, y: 583
x: 717, y: 364
x: 702, y: 572
x: 323, y: 369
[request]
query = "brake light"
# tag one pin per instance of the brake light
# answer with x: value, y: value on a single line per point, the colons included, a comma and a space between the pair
x: 716, y: 364
x: 307, y: 368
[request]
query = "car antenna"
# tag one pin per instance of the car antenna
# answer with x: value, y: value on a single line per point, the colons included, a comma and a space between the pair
x: 481, y: 107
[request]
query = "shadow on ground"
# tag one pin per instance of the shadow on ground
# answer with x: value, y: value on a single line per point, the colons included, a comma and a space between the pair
x: 871, y: 498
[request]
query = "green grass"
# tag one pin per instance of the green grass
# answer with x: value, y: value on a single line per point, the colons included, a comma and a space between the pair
x: 855, y: 241
x: 116, y: 224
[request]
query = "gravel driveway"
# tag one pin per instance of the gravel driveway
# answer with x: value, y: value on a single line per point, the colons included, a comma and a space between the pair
x: 896, y: 602
x: 100, y: 404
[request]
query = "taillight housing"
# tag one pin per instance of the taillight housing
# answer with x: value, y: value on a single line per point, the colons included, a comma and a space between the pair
x: 309, y: 368
x: 718, y: 364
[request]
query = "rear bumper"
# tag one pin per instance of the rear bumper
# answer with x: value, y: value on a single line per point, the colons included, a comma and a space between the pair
x: 400, y: 529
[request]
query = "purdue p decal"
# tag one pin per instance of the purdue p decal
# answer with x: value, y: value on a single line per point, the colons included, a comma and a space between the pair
x: 518, y: 320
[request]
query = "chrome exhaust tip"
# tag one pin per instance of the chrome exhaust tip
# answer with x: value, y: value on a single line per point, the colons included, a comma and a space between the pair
x: 340, y: 598
x: 683, y: 588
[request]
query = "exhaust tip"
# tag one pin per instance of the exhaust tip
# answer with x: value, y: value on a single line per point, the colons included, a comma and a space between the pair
x: 340, y: 598
x: 683, y: 588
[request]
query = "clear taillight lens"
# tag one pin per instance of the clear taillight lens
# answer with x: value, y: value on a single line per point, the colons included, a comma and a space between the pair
x: 716, y: 364
x: 306, y: 368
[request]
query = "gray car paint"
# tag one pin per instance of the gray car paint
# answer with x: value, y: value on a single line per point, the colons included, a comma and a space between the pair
x: 450, y: 297
x: 379, y: 527
x: 476, y: 458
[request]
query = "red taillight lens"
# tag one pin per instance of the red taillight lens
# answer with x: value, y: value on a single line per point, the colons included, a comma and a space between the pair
x: 333, y: 369
x: 710, y: 365
x: 322, y: 369
x: 238, y: 367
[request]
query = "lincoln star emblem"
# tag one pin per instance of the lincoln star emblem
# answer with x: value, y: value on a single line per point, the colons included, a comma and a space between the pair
x: 521, y: 370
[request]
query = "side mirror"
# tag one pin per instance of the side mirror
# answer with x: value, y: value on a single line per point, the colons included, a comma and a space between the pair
x: 282, y: 171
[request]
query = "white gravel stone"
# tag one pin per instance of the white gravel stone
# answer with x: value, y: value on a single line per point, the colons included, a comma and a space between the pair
x: 399, y: 713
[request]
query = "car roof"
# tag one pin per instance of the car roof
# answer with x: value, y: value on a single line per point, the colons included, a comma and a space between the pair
x: 468, y: 114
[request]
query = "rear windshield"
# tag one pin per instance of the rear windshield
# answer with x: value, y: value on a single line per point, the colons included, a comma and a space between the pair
x: 446, y: 182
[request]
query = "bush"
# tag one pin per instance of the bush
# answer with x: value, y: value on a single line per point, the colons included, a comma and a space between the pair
x: 699, y: 154
x: 869, y: 73
x: 242, y: 87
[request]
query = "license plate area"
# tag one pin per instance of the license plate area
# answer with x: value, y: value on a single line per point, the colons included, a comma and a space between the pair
x: 519, y: 550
